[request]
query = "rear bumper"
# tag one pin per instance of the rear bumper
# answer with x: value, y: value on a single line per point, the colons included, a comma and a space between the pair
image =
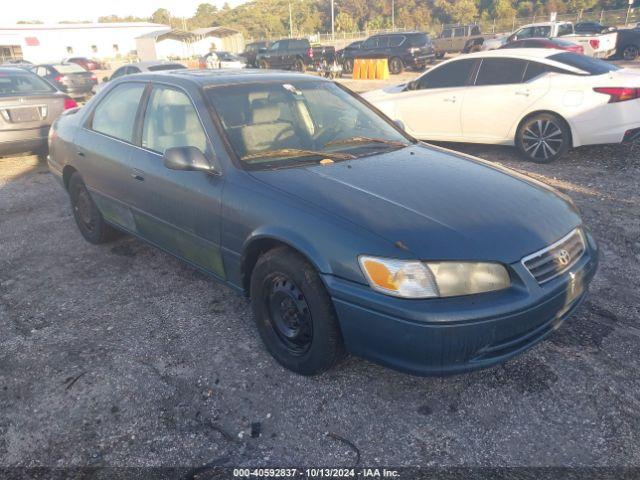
x: 76, y: 92
x: 21, y: 141
x: 448, y: 336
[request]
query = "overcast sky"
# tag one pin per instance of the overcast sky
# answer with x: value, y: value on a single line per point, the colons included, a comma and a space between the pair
x: 56, y: 10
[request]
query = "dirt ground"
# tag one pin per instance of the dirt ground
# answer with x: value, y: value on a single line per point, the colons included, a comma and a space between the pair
x: 120, y: 355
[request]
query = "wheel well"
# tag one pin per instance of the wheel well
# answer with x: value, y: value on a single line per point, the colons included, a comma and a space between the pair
x: 254, y: 251
x: 549, y: 112
x: 66, y: 175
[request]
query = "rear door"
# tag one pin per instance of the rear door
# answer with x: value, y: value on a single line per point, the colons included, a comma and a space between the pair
x: 432, y: 111
x: 504, y: 89
x: 176, y: 210
x: 104, y: 147
x: 459, y: 38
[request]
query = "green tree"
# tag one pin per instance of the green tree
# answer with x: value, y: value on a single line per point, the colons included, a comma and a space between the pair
x: 161, y: 16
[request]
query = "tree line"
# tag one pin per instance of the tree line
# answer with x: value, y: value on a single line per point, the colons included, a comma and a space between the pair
x: 270, y: 18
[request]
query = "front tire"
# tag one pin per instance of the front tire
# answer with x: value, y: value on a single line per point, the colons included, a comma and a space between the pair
x: 543, y: 138
x: 347, y: 66
x: 263, y: 65
x: 294, y: 314
x: 395, y: 66
x: 88, y: 218
x: 298, y: 65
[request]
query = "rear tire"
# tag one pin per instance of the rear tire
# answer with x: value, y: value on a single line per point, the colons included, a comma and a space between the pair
x: 263, y: 65
x: 88, y: 218
x: 294, y: 314
x: 543, y: 138
x: 630, y: 52
x: 439, y: 55
x: 396, y: 66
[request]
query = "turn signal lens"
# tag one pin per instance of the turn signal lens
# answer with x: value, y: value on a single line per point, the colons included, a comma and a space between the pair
x: 619, y: 94
x: 413, y: 279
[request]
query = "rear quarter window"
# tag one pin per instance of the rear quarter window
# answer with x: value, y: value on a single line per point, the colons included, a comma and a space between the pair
x: 419, y: 40
x: 589, y: 65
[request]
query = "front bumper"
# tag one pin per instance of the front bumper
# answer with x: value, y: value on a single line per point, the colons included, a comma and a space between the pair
x: 454, y: 335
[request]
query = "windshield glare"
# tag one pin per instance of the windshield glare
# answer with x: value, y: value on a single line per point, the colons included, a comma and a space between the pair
x: 271, y: 124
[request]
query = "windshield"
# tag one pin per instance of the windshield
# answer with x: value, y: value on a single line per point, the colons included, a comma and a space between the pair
x: 69, y: 68
x: 272, y: 125
x: 22, y: 84
x: 590, y: 65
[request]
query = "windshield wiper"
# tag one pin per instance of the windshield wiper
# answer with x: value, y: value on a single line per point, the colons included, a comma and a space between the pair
x: 358, y: 140
x: 297, y: 153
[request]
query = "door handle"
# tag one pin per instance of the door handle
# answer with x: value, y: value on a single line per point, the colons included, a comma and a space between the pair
x: 524, y: 94
x: 451, y: 99
x: 81, y: 154
x: 137, y: 175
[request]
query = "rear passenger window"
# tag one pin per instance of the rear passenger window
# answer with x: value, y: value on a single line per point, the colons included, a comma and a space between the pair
x: 460, y: 32
x: 534, y: 70
x: 170, y: 121
x: 446, y: 33
x: 116, y: 113
x: 500, y: 71
x: 566, y: 29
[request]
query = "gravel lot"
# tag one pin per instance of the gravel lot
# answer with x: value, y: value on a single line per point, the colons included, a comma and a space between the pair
x: 120, y: 355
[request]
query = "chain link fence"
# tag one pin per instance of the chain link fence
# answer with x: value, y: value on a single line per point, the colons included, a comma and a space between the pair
x: 613, y: 18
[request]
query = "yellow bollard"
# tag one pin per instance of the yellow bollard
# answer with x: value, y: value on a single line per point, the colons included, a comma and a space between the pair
x: 382, y: 69
x: 357, y: 67
x: 371, y: 71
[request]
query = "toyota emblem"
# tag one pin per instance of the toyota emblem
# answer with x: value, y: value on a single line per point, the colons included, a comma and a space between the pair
x: 563, y: 258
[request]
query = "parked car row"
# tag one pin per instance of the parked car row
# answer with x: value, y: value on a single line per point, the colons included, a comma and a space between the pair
x: 543, y: 101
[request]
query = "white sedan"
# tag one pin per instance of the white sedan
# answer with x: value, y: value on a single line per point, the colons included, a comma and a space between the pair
x: 543, y: 101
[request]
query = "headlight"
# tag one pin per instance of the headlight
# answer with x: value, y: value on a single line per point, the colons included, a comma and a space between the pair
x: 413, y: 279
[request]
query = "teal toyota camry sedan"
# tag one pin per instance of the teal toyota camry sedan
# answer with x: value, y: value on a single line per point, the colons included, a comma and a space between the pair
x: 347, y: 234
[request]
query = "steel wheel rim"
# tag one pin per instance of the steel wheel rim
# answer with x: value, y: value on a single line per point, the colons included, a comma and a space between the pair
x: 83, y: 209
x: 289, y: 314
x: 542, y: 139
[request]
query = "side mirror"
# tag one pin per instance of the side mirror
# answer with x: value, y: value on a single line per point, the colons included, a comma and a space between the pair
x: 511, y: 38
x: 413, y: 85
x: 187, y: 159
x: 105, y: 79
x: 399, y: 124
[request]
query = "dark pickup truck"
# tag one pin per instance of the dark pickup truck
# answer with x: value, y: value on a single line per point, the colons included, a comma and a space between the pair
x: 294, y: 54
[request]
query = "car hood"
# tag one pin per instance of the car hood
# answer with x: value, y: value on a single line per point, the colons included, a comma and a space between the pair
x: 435, y: 204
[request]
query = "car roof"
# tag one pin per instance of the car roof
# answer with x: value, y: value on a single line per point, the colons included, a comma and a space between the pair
x: 7, y: 70
x: 149, y: 63
x: 544, y: 24
x: 206, y: 78
x: 524, y: 53
x: 532, y: 54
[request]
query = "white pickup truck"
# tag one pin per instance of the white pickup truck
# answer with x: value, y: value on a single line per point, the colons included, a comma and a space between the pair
x: 601, y: 45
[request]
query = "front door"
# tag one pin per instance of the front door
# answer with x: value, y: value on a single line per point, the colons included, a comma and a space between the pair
x: 177, y: 210
x: 432, y: 111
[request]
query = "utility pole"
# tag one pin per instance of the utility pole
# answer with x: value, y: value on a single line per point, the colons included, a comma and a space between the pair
x: 290, y: 22
x: 333, y: 28
x: 393, y: 14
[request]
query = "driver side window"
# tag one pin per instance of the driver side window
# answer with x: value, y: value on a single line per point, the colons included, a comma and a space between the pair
x: 453, y: 74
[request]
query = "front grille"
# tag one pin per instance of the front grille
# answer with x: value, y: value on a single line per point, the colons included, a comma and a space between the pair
x: 556, y: 259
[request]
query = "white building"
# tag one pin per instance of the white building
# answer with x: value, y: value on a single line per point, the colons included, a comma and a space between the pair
x: 45, y: 43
